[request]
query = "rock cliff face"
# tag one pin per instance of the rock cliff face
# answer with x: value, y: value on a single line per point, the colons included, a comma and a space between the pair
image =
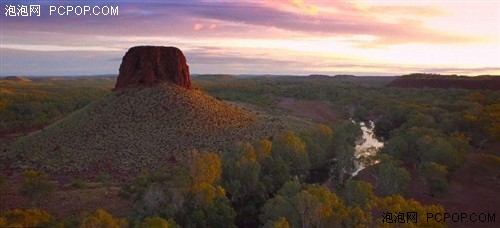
x: 150, y: 65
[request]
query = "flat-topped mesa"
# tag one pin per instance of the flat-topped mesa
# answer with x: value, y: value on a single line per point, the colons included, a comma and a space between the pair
x: 150, y: 65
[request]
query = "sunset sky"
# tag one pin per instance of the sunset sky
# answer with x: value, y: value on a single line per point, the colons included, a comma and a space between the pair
x: 260, y: 37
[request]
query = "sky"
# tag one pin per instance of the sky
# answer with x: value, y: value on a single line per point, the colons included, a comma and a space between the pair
x: 286, y: 37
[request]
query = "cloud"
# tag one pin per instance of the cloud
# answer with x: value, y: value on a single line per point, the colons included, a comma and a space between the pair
x: 250, y: 36
x: 52, y: 48
x: 197, y: 26
x: 182, y: 18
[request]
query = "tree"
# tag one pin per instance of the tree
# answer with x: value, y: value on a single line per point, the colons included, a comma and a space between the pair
x: 241, y: 177
x: 391, y: 178
x: 396, y: 203
x: 347, y: 133
x: 161, y: 193
x: 305, y: 206
x: 343, y: 163
x: 218, y: 214
x: 241, y: 172
x: 435, y: 176
x: 262, y: 148
x: 293, y: 152
x: 204, y: 170
x: 393, y: 116
x: 357, y: 193
x: 274, y: 173
x: 101, y: 218
x: 158, y: 222
x: 493, y: 125
x: 319, y: 144
x: 25, y: 218
x: 188, y: 192
x: 417, y: 145
x: 209, y: 205
x: 345, y: 138
x: 36, y: 186
x: 280, y: 223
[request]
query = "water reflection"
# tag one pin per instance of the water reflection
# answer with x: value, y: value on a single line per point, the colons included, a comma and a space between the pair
x: 367, y: 147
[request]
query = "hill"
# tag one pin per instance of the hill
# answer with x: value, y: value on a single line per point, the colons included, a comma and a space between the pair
x: 136, y: 128
x: 14, y: 79
x: 151, y: 119
x: 215, y: 77
x: 447, y: 81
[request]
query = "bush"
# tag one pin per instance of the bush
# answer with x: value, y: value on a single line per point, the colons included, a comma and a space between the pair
x: 36, y: 186
x: 25, y: 218
x: 78, y: 183
x: 105, y: 179
x: 435, y: 175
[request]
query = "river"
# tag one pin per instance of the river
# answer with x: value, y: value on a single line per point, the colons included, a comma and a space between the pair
x: 368, y: 146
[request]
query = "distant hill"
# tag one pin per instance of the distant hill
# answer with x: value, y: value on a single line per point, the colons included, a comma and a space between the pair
x: 15, y: 78
x: 319, y: 76
x: 447, y: 81
x: 214, y: 77
x: 140, y: 127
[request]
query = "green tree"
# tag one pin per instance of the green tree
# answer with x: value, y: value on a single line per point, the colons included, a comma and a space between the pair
x: 208, y: 204
x: 417, y: 145
x: 435, y: 176
x: 241, y: 178
x: 159, y: 193
x: 343, y: 163
x: 218, y: 214
x: 347, y: 133
x: 305, y: 206
x: 390, y: 177
x: 274, y: 173
x: 345, y: 137
x: 293, y: 152
x: 357, y: 193
x: 319, y: 144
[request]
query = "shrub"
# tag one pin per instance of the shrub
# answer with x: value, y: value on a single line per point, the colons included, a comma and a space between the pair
x: 105, y: 179
x: 25, y: 218
x: 435, y: 176
x: 78, y: 183
x: 36, y: 186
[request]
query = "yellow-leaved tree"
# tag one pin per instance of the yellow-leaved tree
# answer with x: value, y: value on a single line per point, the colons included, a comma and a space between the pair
x: 101, y: 218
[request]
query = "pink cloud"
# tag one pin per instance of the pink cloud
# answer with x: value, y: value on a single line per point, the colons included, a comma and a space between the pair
x: 197, y: 26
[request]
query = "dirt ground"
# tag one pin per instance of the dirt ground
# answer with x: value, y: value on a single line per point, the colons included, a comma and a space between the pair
x: 67, y: 202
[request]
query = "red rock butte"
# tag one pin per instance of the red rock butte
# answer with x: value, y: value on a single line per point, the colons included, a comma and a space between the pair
x: 150, y: 65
